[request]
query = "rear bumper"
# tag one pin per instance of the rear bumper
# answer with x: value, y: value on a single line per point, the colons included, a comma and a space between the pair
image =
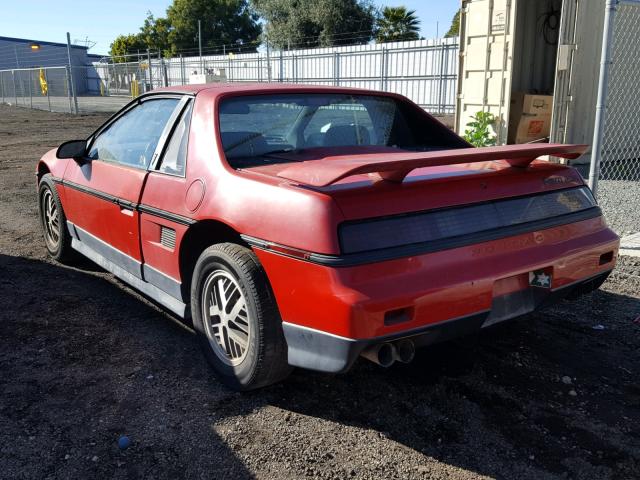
x: 330, y: 314
x: 322, y: 351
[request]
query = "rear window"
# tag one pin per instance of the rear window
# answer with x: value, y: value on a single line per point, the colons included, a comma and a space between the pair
x: 257, y: 130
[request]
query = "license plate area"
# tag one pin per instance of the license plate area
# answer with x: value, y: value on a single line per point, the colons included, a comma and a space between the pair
x: 541, y: 278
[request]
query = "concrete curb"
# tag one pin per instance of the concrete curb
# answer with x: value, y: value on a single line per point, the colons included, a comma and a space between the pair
x: 630, y: 245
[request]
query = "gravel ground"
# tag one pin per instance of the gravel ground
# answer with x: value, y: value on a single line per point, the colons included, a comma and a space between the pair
x: 620, y: 201
x: 84, y: 360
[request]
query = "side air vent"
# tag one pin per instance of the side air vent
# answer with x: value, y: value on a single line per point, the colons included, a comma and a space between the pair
x: 168, y: 237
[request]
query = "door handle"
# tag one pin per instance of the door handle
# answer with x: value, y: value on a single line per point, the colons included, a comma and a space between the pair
x: 126, y: 208
x: 126, y: 211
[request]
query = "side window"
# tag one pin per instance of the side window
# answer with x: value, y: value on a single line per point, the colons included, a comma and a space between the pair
x: 132, y: 138
x: 175, y: 156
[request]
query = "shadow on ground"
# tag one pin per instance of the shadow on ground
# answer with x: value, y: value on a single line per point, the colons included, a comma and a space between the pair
x: 83, y: 360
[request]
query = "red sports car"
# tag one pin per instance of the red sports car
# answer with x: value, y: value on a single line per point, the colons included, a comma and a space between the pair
x: 306, y: 226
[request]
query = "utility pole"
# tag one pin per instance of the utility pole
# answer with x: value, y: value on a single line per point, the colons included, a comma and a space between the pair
x: 200, y: 45
x: 73, y: 90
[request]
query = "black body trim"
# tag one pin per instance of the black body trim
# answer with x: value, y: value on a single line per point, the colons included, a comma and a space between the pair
x: 174, y: 217
x: 154, y: 284
x: 156, y: 212
x: 392, y: 253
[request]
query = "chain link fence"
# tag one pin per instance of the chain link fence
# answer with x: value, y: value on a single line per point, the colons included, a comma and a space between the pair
x: 621, y: 142
x: 423, y: 70
x: 58, y: 89
x: 615, y: 172
x: 43, y: 88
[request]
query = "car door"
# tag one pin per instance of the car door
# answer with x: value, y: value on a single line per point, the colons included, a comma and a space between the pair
x: 169, y: 199
x: 104, y: 190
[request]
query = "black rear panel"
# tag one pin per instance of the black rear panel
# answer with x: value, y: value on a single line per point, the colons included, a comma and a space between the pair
x: 465, y: 221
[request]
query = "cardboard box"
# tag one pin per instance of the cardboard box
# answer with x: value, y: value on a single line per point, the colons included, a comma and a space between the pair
x: 530, y: 117
x: 531, y: 128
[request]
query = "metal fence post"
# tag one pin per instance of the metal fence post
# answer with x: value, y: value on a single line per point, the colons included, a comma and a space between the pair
x: 383, y: 68
x: 2, y: 85
x: 68, y: 89
x: 108, y: 89
x: 73, y: 90
x: 164, y: 72
x: 30, y: 90
x: 15, y: 90
x: 441, y: 82
x: 603, y: 86
x: 281, y: 68
x: 336, y: 68
x: 182, y: 70
x: 150, y: 70
x: 46, y: 81
x: 294, y: 58
x: 268, y: 59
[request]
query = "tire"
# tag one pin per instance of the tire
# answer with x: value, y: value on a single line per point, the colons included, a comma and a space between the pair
x: 232, y: 305
x: 54, y: 222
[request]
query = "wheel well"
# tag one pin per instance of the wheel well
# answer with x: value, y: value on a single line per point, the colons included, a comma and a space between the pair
x: 42, y: 170
x: 197, y: 238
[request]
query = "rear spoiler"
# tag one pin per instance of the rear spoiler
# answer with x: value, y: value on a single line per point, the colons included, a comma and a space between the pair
x: 395, y: 166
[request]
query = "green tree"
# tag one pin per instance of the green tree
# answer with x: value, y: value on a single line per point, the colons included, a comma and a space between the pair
x: 126, y: 45
x: 454, y: 30
x: 222, y: 22
x: 155, y: 33
x: 397, y: 24
x: 312, y: 23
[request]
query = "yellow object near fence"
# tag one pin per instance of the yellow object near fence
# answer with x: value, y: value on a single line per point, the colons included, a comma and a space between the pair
x: 135, y: 88
x: 44, y: 88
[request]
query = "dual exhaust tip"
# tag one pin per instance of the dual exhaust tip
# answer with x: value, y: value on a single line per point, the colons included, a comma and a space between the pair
x: 385, y: 354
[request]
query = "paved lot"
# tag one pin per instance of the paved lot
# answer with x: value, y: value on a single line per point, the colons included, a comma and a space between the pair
x: 83, y: 360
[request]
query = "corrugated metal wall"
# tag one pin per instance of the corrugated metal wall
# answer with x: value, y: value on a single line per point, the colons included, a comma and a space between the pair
x: 423, y: 70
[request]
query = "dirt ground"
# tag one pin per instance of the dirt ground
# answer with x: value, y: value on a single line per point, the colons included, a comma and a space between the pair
x: 84, y: 360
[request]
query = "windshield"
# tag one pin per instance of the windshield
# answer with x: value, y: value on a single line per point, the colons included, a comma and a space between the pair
x: 262, y: 129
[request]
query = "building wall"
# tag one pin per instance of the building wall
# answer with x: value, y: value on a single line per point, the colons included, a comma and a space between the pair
x: 17, y: 54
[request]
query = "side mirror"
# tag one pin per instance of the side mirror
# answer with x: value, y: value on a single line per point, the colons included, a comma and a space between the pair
x: 75, y: 149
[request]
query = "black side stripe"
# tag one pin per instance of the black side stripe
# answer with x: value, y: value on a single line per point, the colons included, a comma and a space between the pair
x: 156, y: 212
x: 173, y: 217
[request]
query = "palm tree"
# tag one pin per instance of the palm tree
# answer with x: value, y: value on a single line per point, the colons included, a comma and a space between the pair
x: 397, y: 24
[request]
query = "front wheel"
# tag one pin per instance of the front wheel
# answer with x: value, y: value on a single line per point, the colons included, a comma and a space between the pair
x: 53, y: 221
x: 236, y: 318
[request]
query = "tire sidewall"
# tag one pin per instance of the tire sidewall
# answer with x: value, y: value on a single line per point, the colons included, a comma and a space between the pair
x: 241, y: 375
x: 47, y: 185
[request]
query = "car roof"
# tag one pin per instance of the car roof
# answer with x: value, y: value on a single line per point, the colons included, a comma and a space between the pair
x: 221, y: 88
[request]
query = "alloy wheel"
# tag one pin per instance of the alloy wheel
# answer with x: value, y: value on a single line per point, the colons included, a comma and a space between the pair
x: 50, y: 219
x: 225, y: 315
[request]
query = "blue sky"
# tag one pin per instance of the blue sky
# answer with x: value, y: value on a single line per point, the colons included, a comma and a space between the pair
x: 101, y: 22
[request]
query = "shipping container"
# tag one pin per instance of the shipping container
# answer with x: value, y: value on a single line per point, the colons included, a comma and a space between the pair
x: 543, y: 47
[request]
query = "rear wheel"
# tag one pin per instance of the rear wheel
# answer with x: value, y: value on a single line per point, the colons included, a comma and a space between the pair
x: 236, y: 317
x: 54, y: 221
